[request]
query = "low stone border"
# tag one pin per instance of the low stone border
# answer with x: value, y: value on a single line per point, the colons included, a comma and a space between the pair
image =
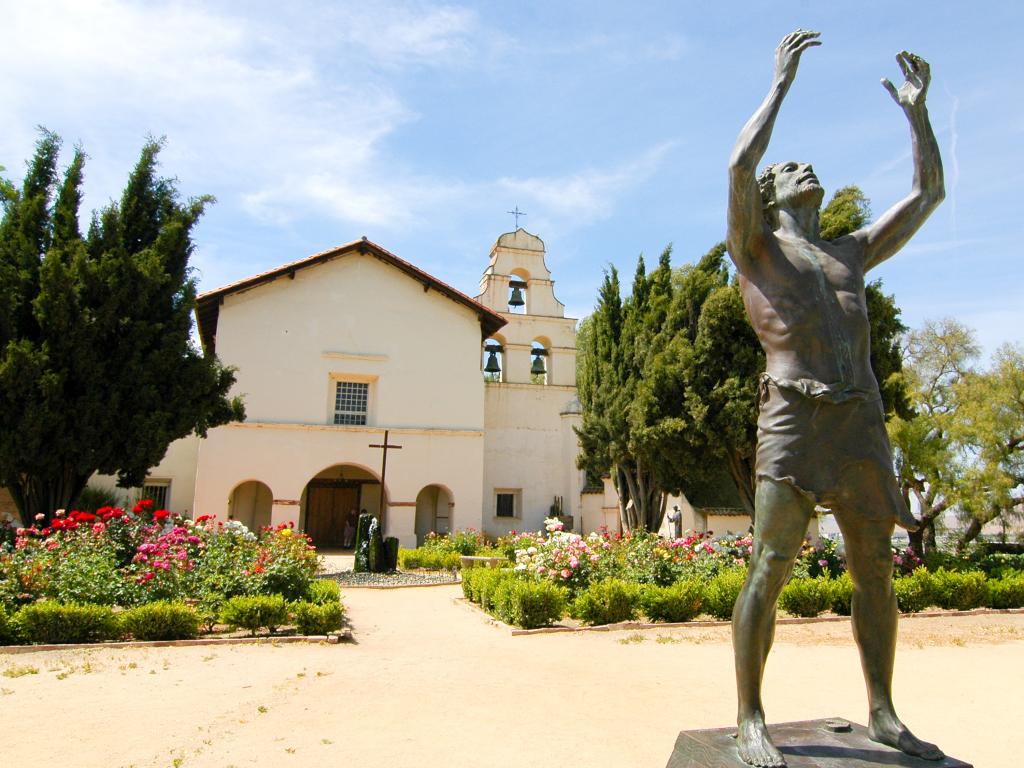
x: 334, y: 638
x: 634, y: 625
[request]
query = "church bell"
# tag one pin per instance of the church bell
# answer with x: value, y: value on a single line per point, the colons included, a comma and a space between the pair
x: 492, y: 362
x: 538, y: 369
x: 517, y: 297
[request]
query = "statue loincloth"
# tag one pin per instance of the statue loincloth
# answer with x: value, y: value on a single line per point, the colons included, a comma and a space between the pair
x: 829, y: 442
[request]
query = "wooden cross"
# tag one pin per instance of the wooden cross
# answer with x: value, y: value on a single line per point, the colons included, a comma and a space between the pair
x: 517, y: 213
x: 383, y: 469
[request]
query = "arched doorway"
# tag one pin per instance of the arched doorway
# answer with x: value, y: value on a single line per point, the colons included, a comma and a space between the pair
x: 433, y: 511
x: 332, y: 501
x: 250, y: 503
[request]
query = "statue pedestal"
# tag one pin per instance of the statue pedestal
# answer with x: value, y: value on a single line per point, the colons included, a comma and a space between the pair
x: 806, y: 744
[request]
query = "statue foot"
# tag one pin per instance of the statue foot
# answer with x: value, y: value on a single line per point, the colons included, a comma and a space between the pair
x: 888, y: 730
x: 755, y: 746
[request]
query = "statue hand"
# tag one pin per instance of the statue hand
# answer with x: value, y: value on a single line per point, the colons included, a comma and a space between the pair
x: 911, y: 94
x: 787, y: 54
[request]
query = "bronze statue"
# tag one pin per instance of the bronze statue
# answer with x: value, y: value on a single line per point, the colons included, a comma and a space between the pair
x: 821, y: 429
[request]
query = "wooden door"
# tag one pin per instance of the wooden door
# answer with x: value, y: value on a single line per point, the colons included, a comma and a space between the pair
x: 326, y: 507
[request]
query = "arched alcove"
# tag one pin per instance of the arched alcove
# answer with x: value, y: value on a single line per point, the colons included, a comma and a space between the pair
x: 519, y: 291
x: 250, y: 503
x: 433, y: 511
x: 494, y: 358
x: 540, y: 361
x: 332, y: 501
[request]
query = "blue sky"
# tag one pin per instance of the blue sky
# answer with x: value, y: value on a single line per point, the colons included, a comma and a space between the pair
x: 610, y: 124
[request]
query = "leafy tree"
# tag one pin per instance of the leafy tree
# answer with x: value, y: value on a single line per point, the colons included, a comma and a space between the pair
x: 929, y: 463
x: 991, y: 432
x: 97, y: 369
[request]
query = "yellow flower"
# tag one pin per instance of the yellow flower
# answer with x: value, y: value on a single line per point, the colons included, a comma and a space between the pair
x: 286, y: 532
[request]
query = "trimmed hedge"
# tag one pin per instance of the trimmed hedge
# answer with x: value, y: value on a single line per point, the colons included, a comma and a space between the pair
x: 49, y: 622
x: 161, y: 620
x: 960, y: 590
x: 430, y: 559
x: 1007, y: 592
x: 606, y: 602
x: 255, y: 611
x: 914, y: 592
x: 721, y: 592
x: 842, y: 594
x: 807, y: 597
x: 528, y: 604
x: 681, y: 601
x: 317, y: 618
x: 324, y: 591
x: 8, y: 628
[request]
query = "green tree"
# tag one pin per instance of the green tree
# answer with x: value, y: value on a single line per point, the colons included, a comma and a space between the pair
x: 97, y: 368
x: 990, y: 430
x: 929, y: 463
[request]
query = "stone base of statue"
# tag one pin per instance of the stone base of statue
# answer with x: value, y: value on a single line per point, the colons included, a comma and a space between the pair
x: 832, y: 743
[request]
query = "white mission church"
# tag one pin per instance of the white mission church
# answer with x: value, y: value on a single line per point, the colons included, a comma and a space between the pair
x: 332, y: 350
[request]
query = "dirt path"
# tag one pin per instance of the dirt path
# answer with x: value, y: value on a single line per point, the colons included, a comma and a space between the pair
x: 430, y: 683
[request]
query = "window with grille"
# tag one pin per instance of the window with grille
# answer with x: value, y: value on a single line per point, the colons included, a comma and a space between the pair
x: 350, y: 399
x: 158, y: 491
x: 505, y: 503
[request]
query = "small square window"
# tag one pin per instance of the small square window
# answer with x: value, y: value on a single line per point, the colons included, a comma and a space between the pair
x: 350, y: 401
x: 506, y: 503
x: 157, y: 490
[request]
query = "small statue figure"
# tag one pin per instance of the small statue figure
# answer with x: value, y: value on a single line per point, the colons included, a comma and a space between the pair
x: 821, y: 429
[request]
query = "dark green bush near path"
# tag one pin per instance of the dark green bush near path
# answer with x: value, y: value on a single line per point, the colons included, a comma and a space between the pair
x: 323, y: 591
x: 721, y: 593
x: 1007, y: 592
x: 681, y: 601
x: 606, y: 602
x: 915, y: 592
x: 959, y: 590
x: 162, y: 620
x: 528, y: 604
x: 49, y: 622
x: 8, y: 628
x: 317, y: 618
x: 254, y: 612
x: 1002, y: 563
x: 842, y: 594
x: 806, y: 597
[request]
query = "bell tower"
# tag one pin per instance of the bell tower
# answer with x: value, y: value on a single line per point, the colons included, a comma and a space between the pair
x: 530, y: 405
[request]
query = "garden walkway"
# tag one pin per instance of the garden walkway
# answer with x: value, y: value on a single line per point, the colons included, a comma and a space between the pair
x: 429, y: 682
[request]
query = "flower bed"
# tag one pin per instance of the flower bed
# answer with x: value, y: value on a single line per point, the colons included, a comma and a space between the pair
x: 83, y: 567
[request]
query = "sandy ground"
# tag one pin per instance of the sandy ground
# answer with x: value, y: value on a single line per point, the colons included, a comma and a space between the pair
x: 430, y: 682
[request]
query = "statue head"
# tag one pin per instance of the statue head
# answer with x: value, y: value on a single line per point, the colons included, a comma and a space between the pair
x: 788, y: 185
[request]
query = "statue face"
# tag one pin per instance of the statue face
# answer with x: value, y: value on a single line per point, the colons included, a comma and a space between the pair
x: 796, y: 185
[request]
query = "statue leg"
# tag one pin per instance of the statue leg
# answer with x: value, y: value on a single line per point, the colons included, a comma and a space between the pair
x: 874, y: 616
x: 781, y: 518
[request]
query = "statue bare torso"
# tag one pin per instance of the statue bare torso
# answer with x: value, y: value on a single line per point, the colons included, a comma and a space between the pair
x: 807, y: 306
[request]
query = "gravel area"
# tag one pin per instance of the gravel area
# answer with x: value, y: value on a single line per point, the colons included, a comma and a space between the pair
x: 398, y: 579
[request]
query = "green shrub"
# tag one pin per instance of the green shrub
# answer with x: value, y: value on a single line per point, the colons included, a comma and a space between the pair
x: 606, y: 602
x: 254, y: 612
x: 430, y: 559
x: 161, y: 620
x: 842, y: 594
x: 49, y: 622
x: 721, y: 592
x: 1002, y: 564
x: 317, y: 618
x: 323, y: 591
x: 914, y: 592
x: 960, y: 590
x: 9, y: 634
x: 806, y: 597
x: 90, y: 576
x: 528, y: 604
x: 489, y: 584
x: 678, y: 602
x: 1007, y: 592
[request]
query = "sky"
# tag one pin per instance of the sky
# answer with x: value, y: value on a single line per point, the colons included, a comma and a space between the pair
x: 420, y: 125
